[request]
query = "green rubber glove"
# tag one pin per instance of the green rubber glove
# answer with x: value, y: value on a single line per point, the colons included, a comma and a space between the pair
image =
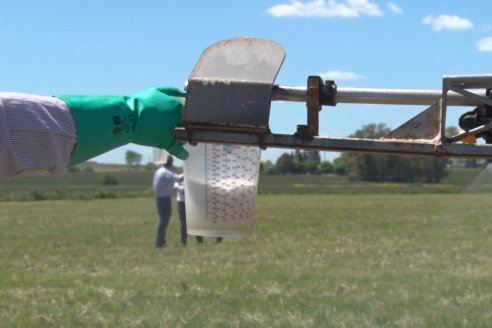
x: 147, y: 118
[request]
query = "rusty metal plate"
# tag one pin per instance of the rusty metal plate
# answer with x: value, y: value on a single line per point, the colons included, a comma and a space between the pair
x: 230, y: 86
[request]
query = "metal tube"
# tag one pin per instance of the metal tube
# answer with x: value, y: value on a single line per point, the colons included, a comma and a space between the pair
x: 474, y: 131
x: 471, y: 95
x: 469, y: 81
x: 379, y: 96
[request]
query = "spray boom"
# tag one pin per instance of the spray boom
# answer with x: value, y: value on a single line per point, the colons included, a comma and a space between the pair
x: 230, y: 90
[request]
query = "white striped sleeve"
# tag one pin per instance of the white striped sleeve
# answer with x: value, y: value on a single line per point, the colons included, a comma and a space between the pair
x: 37, y: 134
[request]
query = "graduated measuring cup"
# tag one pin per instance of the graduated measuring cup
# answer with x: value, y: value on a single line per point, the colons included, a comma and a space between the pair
x: 221, y: 183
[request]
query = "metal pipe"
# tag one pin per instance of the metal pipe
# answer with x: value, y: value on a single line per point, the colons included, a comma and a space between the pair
x: 471, y: 95
x: 468, y: 81
x: 474, y: 131
x: 379, y: 96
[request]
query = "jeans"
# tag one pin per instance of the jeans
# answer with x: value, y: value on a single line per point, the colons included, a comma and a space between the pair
x: 182, y: 219
x: 164, y: 211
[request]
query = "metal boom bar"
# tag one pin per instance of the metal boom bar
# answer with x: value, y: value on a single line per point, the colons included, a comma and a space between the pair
x: 381, y: 146
x: 377, y: 96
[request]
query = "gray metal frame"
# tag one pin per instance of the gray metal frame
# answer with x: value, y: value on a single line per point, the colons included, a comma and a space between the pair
x: 232, y: 106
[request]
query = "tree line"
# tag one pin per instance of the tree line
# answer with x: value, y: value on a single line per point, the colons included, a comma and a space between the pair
x: 369, y: 167
x: 357, y: 166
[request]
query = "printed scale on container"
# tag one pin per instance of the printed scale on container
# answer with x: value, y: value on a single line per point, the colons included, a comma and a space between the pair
x: 232, y: 180
x: 231, y: 88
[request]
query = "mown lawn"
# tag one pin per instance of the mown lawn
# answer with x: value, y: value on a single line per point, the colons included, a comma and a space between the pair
x: 137, y: 183
x: 373, y: 260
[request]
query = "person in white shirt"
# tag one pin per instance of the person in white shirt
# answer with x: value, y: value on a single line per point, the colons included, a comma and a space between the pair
x: 163, y: 182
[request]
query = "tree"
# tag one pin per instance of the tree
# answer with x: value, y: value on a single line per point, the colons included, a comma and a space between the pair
x: 366, y: 166
x: 325, y: 167
x: 341, y: 164
x: 298, y: 167
x: 313, y: 155
x: 285, y: 164
x: 451, y: 131
x: 109, y: 180
x: 310, y: 166
x: 132, y: 158
x: 267, y: 167
x: 392, y: 167
x: 298, y: 155
x: 433, y: 169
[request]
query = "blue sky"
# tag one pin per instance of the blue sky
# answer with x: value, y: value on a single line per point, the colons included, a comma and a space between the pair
x: 121, y: 47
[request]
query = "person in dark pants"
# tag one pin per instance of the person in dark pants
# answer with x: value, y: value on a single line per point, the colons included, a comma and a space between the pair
x: 163, y: 183
x: 180, y: 199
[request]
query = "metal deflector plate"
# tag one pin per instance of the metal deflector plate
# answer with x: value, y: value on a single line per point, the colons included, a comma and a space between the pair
x: 426, y: 125
x: 230, y: 86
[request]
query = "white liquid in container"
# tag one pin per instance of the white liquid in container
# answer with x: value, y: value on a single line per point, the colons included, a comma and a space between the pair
x: 220, y: 189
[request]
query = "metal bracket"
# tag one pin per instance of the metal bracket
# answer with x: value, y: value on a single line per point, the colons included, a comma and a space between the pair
x: 313, y: 104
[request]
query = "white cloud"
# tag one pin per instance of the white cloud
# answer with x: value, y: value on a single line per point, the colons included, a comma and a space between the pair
x: 447, y: 22
x: 338, y: 75
x: 484, y: 44
x: 394, y: 8
x: 326, y: 8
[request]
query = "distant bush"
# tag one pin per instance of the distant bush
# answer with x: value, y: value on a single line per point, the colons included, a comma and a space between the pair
x: 109, y: 180
x: 74, y: 169
x: 38, y: 195
x: 326, y: 167
x: 103, y: 194
x: 88, y: 169
x: 150, y: 166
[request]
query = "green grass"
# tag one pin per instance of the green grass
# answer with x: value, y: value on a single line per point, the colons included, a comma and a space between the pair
x: 456, y: 182
x: 82, y: 185
x: 373, y: 260
x: 135, y: 184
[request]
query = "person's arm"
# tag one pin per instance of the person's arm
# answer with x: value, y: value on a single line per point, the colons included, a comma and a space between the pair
x: 178, y: 177
x: 48, y: 133
x: 37, y: 134
x: 179, y: 187
x: 147, y: 118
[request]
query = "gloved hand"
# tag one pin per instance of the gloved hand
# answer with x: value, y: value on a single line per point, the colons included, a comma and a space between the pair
x: 147, y: 118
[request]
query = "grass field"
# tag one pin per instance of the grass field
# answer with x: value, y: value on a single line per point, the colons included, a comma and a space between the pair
x: 136, y: 184
x: 349, y: 260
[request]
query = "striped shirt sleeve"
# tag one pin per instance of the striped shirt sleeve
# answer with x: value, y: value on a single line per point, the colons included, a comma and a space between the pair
x: 37, y: 134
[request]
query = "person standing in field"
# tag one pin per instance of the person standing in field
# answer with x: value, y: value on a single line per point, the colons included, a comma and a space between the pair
x: 163, y: 182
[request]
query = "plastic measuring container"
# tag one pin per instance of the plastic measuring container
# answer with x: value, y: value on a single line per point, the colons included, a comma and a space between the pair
x: 221, y: 183
x: 159, y: 156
